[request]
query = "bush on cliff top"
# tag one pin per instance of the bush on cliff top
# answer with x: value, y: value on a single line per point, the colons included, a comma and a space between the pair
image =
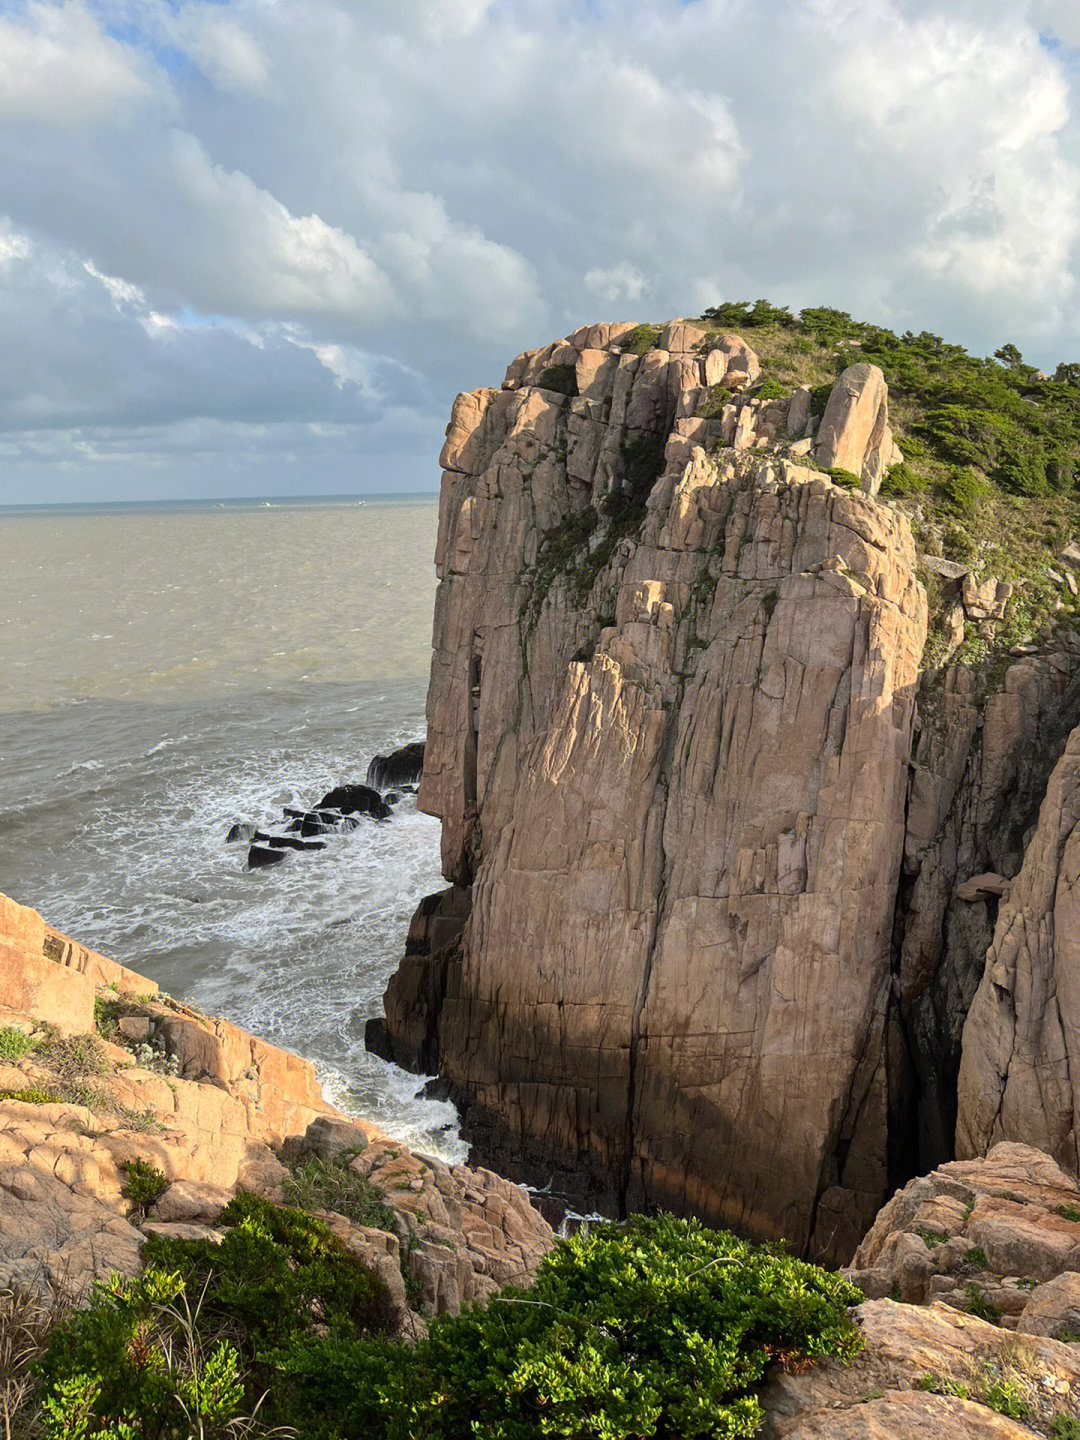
x: 662, y: 1328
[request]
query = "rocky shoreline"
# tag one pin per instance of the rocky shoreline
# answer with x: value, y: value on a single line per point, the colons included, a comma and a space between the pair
x: 971, y: 1326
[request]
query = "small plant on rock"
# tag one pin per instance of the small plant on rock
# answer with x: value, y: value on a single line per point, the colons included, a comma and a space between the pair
x: 144, y: 1184
x: 14, y: 1043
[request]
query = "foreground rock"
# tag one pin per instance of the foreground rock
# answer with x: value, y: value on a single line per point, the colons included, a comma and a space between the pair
x: 928, y: 1371
x: 973, y: 1316
x: 213, y: 1109
x: 982, y: 1235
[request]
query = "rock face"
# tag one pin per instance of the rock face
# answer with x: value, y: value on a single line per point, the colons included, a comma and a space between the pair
x: 1022, y: 1037
x: 213, y: 1109
x: 670, y: 757
x: 975, y: 1250
x: 854, y: 433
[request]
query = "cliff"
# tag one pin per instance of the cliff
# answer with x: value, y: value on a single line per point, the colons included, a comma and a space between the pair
x: 100, y: 1073
x: 723, y: 873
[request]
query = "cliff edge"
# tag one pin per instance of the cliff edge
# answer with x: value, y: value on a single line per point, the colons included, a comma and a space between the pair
x: 723, y: 874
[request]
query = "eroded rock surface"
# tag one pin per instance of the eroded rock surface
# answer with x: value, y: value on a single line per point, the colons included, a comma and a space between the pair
x: 213, y: 1109
x: 670, y: 757
x: 1019, y: 1076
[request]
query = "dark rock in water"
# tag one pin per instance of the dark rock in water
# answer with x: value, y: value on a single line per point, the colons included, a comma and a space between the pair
x: 401, y: 767
x: 391, y: 797
x: 311, y: 825
x: 286, y: 842
x: 291, y: 813
x: 260, y: 856
x: 350, y: 822
x: 240, y: 831
x: 353, y: 799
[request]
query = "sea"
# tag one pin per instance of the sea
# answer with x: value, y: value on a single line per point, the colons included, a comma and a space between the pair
x: 167, y: 670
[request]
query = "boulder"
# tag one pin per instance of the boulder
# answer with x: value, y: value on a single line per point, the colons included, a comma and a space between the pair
x: 401, y: 767
x: 355, y: 800
x: 261, y: 856
x: 854, y: 433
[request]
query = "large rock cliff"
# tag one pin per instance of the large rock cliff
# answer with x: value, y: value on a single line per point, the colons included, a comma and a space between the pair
x: 716, y: 916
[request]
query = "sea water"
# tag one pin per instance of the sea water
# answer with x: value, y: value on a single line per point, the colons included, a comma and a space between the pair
x: 167, y: 670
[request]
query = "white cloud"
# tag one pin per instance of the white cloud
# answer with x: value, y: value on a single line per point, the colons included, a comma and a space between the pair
x: 341, y: 204
x: 57, y: 65
x: 13, y: 246
x: 618, y: 283
x: 263, y: 257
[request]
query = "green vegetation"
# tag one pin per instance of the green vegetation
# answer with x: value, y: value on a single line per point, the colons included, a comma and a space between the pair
x: 333, y: 1186
x: 976, y: 1257
x: 1065, y: 1427
x: 661, y: 1328
x: 771, y: 390
x: 976, y: 1303
x: 560, y: 378
x: 14, y: 1043
x: 33, y: 1095
x: 1006, y: 1396
x: 991, y: 445
x: 144, y: 1183
x: 639, y: 340
x: 931, y: 1238
x: 1068, y: 1212
x: 568, y: 550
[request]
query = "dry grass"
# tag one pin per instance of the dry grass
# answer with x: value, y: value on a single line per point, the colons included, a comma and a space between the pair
x: 26, y: 1317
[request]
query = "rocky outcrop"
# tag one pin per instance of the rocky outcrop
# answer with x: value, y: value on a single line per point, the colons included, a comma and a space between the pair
x: 1022, y: 1038
x: 973, y: 1313
x: 669, y: 722
x: 668, y: 659
x: 212, y: 1109
x: 854, y: 433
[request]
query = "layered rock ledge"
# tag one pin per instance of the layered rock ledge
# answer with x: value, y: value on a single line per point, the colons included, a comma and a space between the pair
x: 110, y: 1072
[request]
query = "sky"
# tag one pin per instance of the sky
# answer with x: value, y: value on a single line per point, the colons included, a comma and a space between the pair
x: 255, y: 247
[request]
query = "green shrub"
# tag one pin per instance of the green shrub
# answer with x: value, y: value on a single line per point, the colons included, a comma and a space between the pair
x: 771, y: 390
x: 639, y: 340
x: 144, y: 1183
x: 333, y: 1186
x: 819, y: 398
x: 1068, y: 1212
x: 712, y: 407
x: 964, y: 491
x: 902, y: 480
x: 1064, y: 1427
x: 136, y: 1366
x: 560, y: 378
x: 14, y: 1043
x: 976, y: 1257
x: 195, y: 1329
x: 748, y: 315
x: 1006, y: 1396
x: 976, y: 1303
x: 661, y: 1328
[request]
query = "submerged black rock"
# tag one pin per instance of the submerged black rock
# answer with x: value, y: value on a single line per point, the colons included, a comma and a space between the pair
x: 240, y: 831
x: 260, y: 856
x: 355, y: 799
x: 399, y: 768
